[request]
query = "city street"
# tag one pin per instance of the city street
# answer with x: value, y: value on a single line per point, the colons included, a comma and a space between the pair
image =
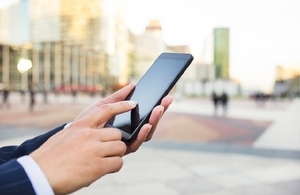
x: 233, y: 128
x: 192, y: 152
x: 186, y: 120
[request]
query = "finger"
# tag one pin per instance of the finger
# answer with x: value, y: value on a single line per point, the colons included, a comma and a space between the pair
x: 110, y: 134
x: 106, y: 111
x: 166, y: 102
x: 142, y: 136
x: 111, y: 164
x: 119, y: 95
x: 116, y: 97
x: 156, y: 115
x: 112, y: 148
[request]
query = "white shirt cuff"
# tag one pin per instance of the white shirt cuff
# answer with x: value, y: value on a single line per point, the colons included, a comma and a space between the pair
x: 67, y: 125
x: 38, y: 179
x: 35, y: 174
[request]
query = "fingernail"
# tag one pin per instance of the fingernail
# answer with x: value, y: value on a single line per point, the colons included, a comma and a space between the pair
x: 149, y: 129
x: 161, y: 113
x: 148, y: 137
x: 132, y: 103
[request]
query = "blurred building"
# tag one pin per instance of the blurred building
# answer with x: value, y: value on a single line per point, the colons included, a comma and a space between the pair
x: 212, y: 69
x: 191, y: 73
x: 146, y: 47
x: 284, y: 73
x: 287, y: 81
x: 15, y: 24
x: 4, y: 26
x: 179, y: 48
x: 72, y: 43
x: 9, y: 74
x: 221, y: 53
x: 86, y: 45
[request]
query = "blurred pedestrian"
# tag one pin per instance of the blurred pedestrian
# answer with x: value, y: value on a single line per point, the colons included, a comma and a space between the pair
x: 32, y: 97
x: 45, y: 96
x: 22, y: 95
x: 260, y: 99
x: 215, y: 100
x: 224, y: 101
x: 74, y: 93
x: 5, y: 98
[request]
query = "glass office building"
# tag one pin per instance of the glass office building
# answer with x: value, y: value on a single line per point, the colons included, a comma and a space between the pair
x: 221, y: 53
x: 71, y: 43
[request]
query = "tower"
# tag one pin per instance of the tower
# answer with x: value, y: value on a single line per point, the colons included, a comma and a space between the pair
x: 221, y: 53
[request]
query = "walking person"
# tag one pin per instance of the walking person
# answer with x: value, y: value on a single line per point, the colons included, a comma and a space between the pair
x: 32, y: 97
x: 224, y: 101
x: 215, y: 100
x: 5, y: 98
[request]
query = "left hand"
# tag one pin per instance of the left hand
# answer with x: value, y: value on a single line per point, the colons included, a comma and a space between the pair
x: 147, y: 130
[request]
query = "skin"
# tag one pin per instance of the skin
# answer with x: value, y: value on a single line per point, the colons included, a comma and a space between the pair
x: 85, y: 151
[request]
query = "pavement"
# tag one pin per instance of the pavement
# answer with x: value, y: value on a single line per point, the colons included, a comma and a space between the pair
x: 284, y: 133
x: 192, y: 152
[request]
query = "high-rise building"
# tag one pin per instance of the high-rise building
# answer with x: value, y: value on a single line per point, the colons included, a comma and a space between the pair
x: 4, y: 26
x: 69, y: 31
x: 14, y: 31
x: 15, y: 24
x: 147, y: 47
x: 71, y: 42
x: 71, y: 21
x: 221, y: 53
x: 45, y: 21
x: 286, y: 72
x: 287, y: 81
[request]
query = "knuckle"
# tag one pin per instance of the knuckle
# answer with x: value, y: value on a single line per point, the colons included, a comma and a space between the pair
x: 113, y: 132
x: 124, y: 104
x: 134, y: 150
x: 77, y: 124
x: 106, y: 107
x: 122, y: 146
x: 115, y: 108
x: 118, y: 134
x: 87, y: 134
x: 119, y: 162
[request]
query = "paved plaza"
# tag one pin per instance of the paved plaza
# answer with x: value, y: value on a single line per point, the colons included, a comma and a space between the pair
x: 192, y: 152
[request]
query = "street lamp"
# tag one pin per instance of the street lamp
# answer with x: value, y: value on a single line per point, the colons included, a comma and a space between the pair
x: 23, y: 66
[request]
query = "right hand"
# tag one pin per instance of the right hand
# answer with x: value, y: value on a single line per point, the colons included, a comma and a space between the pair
x: 82, y: 153
x: 148, y: 129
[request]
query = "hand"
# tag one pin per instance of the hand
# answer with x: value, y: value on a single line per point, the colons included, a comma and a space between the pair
x: 147, y: 130
x: 77, y: 156
x: 82, y: 153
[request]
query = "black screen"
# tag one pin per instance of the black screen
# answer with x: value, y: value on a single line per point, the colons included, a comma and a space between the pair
x: 149, y: 91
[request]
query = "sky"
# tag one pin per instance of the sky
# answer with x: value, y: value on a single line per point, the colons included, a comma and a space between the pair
x: 263, y: 33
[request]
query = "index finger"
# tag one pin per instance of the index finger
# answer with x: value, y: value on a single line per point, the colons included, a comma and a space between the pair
x: 103, y: 113
x: 119, y: 95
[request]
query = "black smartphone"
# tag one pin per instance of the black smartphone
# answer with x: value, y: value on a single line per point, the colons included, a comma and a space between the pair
x: 154, y: 85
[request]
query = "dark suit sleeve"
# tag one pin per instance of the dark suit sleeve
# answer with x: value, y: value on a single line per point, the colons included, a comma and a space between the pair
x: 10, y: 152
x: 14, y: 180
